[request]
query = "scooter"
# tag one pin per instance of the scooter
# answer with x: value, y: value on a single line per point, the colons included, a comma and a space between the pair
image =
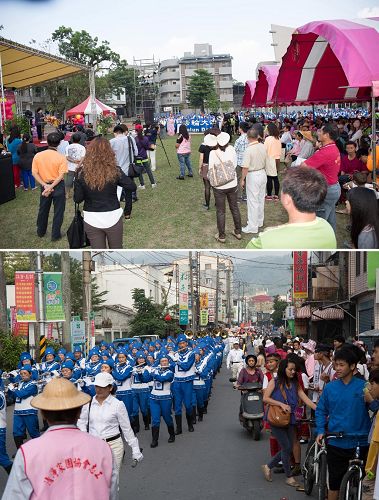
x: 251, y: 409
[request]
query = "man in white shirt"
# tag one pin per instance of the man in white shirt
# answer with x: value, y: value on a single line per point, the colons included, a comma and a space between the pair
x: 75, y: 153
x: 323, y: 372
x: 235, y: 361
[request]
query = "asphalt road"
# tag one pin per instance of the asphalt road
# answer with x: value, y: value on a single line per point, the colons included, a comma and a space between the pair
x: 217, y: 461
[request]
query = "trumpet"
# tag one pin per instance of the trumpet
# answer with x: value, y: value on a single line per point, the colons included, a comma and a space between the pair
x: 189, y: 334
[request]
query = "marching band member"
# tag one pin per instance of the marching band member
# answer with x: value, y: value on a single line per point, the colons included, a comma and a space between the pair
x: 183, y: 383
x: 25, y: 359
x: 92, y: 368
x: 122, y: 374
x: 61, y: 354
x: 48, y: 361
x: 68, y: 371
x: 107, y: 366
x: 105, y: 416
x: 77, y: 371
x: 5, y: 461
x: 141, y: 392
x: 24, y: 416
x: 161, y: 399
x: 202, y: 369
x: 80, y: 360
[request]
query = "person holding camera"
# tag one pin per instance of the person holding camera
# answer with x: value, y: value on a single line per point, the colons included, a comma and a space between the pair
x: 143, y: 146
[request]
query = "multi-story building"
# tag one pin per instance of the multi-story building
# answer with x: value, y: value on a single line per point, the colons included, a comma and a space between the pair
x: 362, y: 289
x: 169, y: 86
x: 218, y: 65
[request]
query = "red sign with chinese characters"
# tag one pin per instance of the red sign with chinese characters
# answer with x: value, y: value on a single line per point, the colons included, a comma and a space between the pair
x: 25, y: 299
x: 300, y: 275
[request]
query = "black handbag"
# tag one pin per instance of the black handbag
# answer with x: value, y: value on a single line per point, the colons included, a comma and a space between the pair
x: 135, y: 169
x: 76, y: 235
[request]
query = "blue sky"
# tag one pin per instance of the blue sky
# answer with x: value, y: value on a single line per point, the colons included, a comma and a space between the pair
x: 167, y: 28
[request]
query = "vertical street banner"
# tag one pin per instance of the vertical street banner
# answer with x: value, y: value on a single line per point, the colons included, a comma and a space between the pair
x: 52, y: 287
x: 183, y: 295
x: 25, y: 296
x: 211, y: 308
x: 300, y: 275
x: 204, y: 309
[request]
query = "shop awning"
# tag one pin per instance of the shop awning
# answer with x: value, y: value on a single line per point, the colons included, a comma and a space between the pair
x: 331, y: 313
x: 24, y: 66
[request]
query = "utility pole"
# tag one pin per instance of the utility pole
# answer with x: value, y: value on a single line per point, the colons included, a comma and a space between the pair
x: 217, y: 291
x: 243, y: 303
x: 239, y: 304
x: 191, y: 288
x: 228, y: 299
x: 87, y: 298
x: 66, y: 293
x: 3, y: 297
x: 41, y: 339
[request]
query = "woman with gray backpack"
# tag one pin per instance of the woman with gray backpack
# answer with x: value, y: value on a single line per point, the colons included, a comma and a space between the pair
x: 223, y: 179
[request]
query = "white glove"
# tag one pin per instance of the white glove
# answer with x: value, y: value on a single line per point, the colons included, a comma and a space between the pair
x: 55, y: 373
x: 14, y: 373
x: 11, y: 387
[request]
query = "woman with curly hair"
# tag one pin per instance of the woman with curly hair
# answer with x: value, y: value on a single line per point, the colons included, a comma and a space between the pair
x: 96, y: 183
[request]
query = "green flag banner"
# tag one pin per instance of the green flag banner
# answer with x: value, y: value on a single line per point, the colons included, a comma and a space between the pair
x: 52, y: 286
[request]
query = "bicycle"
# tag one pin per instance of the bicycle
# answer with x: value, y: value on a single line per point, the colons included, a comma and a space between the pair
x: 351, y: 484
x: 315, y: 469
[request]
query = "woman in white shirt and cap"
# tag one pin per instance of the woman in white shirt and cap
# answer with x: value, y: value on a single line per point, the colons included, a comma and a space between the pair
x: 105, y: 416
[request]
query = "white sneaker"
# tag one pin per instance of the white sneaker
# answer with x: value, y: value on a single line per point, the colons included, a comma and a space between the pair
x: 247, y: 230
x: 141, y: 187
x: 153, y: 185
x: 153, y: 169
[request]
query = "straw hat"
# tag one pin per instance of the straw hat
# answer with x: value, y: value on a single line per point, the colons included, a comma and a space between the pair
x: 60, y: 394
x: 307, y: 135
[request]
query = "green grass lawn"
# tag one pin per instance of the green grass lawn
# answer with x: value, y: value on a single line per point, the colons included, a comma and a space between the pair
x: 170, y: 216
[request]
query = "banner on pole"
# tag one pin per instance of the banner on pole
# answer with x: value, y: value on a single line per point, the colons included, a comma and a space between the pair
x: 300, y: 275
x: 25, y: 299
x: 52, y: 286
x: 203, y: 317
x: 183, y: 295
x: 78, y: 332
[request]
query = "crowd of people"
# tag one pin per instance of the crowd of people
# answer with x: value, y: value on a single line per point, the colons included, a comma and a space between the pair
x: 339, y: 384
x: 104, y: 395
x: 310, y: 166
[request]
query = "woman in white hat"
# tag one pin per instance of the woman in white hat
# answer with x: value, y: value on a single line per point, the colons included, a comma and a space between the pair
x: 63, y: 462
x: 223, y: 178
x: 105, y: 415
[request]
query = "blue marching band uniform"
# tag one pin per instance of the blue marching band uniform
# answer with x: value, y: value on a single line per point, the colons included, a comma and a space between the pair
x: 155, y: 379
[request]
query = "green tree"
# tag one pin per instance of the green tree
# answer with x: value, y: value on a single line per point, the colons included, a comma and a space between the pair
x: 122, y: 79
x: 201, y: 89
x: 10, y: 349
x: 279, y: 308
x: 149, y: 316
x: 80, y: 46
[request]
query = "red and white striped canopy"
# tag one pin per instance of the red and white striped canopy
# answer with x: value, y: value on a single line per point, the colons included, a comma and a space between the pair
x: 267, y: 76
x: 249, y: 93
x: 84, y: 108
x: 329, y: 61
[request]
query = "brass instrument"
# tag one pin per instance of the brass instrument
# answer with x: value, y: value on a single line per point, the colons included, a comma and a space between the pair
x: 189, y: 334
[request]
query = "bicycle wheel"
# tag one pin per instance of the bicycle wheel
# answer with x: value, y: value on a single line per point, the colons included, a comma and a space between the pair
x: 323, y: 471
x: 307, y: 469
x: 350, y: 485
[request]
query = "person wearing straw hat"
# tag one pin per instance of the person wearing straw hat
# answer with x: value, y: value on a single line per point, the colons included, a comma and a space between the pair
x: 106, y: 417
x: 64, y: 462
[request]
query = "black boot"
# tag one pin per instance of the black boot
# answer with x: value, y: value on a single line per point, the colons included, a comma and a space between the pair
x: 194, y: 414
x: 205, y: 409
x: 146, y: 422
x: 134, y: 422
x: 200, y: 414
x: 171, y: 431
x: 8, y: 469
x: 189, y: 422
x: 155, y: 435
x: 178, y: 420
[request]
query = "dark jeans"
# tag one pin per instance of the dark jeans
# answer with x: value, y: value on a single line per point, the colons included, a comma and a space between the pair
x: 147, y: 169
x: 285, y: 437
x: 39, y: 131
x: 220, y: 197
x: 271, y: 179
x: 58, y: 198
x: 207, y: 191
x: 99, y: 237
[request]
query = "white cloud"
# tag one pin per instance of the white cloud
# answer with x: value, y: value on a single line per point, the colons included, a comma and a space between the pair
x: 369, y: 12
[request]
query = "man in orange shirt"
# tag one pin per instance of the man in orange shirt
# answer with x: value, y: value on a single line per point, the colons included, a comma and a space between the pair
x: 48, y: 169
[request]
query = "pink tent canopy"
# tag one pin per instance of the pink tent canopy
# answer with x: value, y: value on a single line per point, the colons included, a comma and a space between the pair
x: 84, y: 108
x: 267, y: 76
x: 249, y: 92
x: 329, y: 61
